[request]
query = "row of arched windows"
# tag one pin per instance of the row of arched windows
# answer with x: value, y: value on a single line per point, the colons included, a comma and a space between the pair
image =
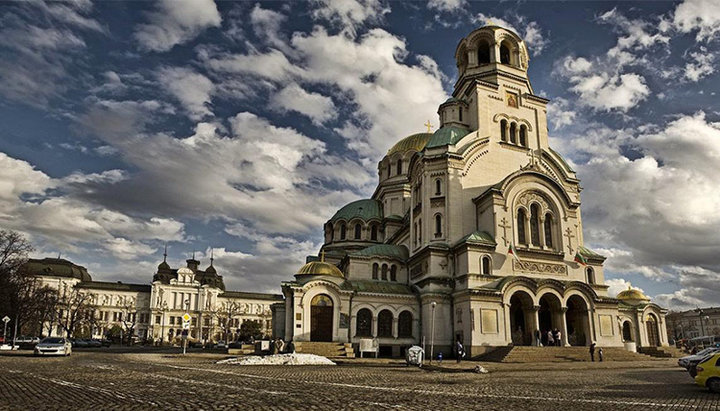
x: 379, y: 272
x: 398, y: 168
x: 508, y: 54
x: 540, y: 227
x: 364, y: 324
x: 511, y: 133
x: 356, y: 234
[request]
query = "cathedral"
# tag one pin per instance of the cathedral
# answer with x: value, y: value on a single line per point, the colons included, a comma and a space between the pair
x: 473, y: 234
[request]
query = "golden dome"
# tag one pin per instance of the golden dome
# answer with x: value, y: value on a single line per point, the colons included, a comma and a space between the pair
x: 415, y: 142
x: 320, y: 268
x: 632, y: 296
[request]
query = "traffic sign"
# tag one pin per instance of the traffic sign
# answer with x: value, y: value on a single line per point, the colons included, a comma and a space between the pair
x: 186, y: 317
x: 6, y: 319
x: 186, y: 325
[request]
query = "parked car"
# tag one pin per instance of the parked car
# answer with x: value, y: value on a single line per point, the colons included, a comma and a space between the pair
x: 685, y: 362
x: 220, y: 345
x: 94, y: 343
x: 54, y: 346
x: 235, y: 344
x: 25, y: 339
x: 105, y: 342
x: 80, y: 343
x: 708, y: 373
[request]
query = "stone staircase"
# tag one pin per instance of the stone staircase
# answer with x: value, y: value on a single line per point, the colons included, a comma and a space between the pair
x: 326, y: 349
x: 246, y: 349
x: 662, y: 352
x: 523, y: 354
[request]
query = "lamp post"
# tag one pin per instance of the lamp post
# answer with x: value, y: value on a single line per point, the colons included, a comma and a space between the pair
x: 700, y: 313
x: 432, y: 330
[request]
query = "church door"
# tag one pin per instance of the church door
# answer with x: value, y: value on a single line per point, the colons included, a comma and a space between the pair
x: 652, y: 331
x: 321, y: 318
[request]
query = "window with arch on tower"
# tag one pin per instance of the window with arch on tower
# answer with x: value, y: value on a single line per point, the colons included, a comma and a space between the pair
x: 460, y: 110
x: 358, y: 231
x: 393, y: 272
x: 399, y: 167
x: 375, y: 269
x: 548, y: 228
x: 438, y: 187
x: 503, y: 130
x: 384, y: 272
x: 373, y: 233
x: 513, y: 133
x: 590, y: 275
x: 343, y: 231
x: 483, y: 53
x: 438, y: 225
x: 521, y: 216
x: 504, y: 54
x: 534, y: 225
x: 485, y: 265
x: 523, y: 135
x: 389, y: 169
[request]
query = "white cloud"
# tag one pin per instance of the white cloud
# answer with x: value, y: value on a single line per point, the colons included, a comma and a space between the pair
x: 317, y: 107
x: 267, y: 25
x: 350, y: 14
x: 701, y: 65
x: 617, y: 285
x: 124, y: 249
x: 176, y: 22
x: 607, y: 92
x: 700, y: 15
x: 446, y: 5
x: 121, y: 119
x: 192, y: 89
x: 559, y: 114
x: 529, y: 31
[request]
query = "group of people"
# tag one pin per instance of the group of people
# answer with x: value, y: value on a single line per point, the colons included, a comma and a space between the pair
x: 551, y: 338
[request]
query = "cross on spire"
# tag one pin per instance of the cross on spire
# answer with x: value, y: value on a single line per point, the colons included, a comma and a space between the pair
x: 429, y: 125
x: 212, y: 255
x: 322, y: 256
x: 165, y: 254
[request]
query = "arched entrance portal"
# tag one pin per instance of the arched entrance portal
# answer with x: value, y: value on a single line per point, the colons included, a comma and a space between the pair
x: 627, y: 332
x: 550, y: 315
x: 652, y: 331
x: 321, y: 318
x: 577, y: 321
x: 522, y: 321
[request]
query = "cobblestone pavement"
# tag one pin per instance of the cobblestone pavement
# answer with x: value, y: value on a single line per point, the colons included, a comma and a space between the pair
x: 111, y: 380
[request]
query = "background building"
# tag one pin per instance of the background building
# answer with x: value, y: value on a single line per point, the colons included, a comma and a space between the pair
x: 699, y: 322
x: 428, y: 255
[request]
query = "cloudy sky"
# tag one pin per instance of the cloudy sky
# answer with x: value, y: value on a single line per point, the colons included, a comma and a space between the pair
x: 243, y: 126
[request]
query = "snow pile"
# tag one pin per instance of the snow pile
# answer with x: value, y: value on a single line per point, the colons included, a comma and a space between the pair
x: 279, y: 359
x: 479, y: 369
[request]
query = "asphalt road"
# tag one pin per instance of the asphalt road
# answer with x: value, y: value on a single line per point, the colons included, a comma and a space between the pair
x: 104, y: 380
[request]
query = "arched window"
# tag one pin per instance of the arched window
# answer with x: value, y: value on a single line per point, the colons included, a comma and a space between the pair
x: 438, y: 225
x: 373, y: 233
x: 393, y: 272
x: 483, y: 53
x: 389, y: 169
x: 385, y: 320
x: 331, y: 232
x: 405, y: 320
x: 521, y: 226
x: 485, y: 265
x: 460, y: 110
x: 363, y: 325
x: 415, y: 231
x: 375, y: 271
x: 399, y: 167
x: 590, y: 275
x: 358, y: 231
x: 438, y: 187
x: 503, y: 130
x: 384, y: 272
x: 420, y: 230
x: 513, y: 133
x: 548, y: 226
x: 523, y: 135
x: 626, y: 332
x: 534, y: 225
x: 343, y: 230
x: 504, y: 54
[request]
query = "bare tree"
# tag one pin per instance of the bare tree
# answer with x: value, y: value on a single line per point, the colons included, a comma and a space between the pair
x: 76, y: 310
x: 228, y: 311
x: 129, y: 318
x: 16, y: 288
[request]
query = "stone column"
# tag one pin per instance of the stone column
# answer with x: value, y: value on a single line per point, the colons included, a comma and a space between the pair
x: 506, y: 315
x: 563, y: 326
x: 395, y: 327
x: 536, y: 319
x: 374, y: 326
x: 541, y: 230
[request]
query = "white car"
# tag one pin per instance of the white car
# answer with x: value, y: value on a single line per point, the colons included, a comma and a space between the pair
x: 54, y: 346
x: 688, y: 360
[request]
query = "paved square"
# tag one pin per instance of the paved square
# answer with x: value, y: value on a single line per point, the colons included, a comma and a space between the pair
x: 107, y: 380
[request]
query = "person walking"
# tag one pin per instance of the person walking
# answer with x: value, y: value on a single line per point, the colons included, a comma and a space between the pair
x: 550, y: 338
x: 558, y: 337
x: 592, y: 352
x: 600, y: 354
x: 460, y: 351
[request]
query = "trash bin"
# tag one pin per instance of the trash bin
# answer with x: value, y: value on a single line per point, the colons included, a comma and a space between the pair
x: 414, y: 356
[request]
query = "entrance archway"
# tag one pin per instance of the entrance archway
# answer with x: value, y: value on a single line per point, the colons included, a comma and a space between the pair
x: 549, y: 315
x: 321, y: 318
x: 522, y: 321
x: 577, y: 321
x: 627, y: 332
x: 652, y: 331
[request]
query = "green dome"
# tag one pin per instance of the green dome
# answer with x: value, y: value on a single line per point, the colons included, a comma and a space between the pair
x: 447, y: 135
x: 363, y: 209
x: 415, y: 142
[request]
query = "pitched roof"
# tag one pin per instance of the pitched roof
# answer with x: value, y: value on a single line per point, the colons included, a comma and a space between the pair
x: 56, y: 267
x: 447, y: 135
x: 590, y: 254
x: 378, y: 287
x: 399, y: 252
x: 116, y: 286
x: 478, y: 237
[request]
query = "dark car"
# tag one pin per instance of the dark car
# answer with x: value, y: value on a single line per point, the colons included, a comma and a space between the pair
x: 105, y: 342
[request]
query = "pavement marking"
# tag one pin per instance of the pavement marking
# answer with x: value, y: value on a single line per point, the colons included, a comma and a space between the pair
x: 436, y: 392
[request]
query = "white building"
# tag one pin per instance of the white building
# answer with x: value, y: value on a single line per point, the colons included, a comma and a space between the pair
x: 427, y: 254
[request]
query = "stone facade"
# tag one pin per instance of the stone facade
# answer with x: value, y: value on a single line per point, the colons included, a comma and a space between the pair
x: 694, y: 323
x: 154, y: 311
x: 427, y: 258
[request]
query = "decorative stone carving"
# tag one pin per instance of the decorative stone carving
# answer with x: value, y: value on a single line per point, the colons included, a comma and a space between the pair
x: 534, y: 197
x: 546, y: 268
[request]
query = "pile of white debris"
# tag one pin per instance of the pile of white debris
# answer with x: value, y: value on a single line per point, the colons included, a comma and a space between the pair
x: 279, y: 359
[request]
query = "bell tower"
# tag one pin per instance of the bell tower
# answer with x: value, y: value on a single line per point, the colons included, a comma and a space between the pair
x: 493, y: 94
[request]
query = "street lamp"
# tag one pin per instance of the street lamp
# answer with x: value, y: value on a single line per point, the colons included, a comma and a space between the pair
x: 432, y: 329
x: 700, y: 313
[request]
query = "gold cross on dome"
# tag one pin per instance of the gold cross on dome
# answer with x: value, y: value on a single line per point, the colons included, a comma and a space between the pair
x: 428, y: 125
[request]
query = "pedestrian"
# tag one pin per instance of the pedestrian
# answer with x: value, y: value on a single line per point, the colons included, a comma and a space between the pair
x: 558, y: 337
x: 538, y: 338
x: 600, y: 354
x: 592, y: 351
x: 439, y: 358
x: 460, y: 351
x: 550, y: 339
